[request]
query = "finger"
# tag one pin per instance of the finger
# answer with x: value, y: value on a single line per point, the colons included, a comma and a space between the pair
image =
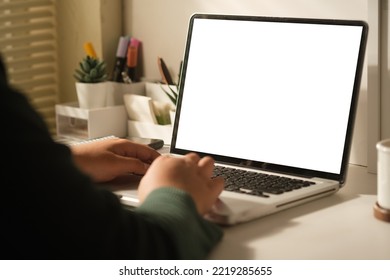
x: 215, y: 188
x: 147, y: 154
x: 142, y: 152
x: 217, y: 185
x: 206, y: 165
x: 192, y: 158
x: 131, y: 165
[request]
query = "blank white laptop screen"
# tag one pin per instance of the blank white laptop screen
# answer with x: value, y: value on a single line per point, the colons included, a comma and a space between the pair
x: 272, y: 92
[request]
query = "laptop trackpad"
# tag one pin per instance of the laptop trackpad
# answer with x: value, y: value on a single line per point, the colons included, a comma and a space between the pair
x: 232, y: 210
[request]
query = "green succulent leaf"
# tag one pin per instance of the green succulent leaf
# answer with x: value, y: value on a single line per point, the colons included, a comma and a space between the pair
x: 172, y: 94
x: 91, y: 70
x: 94, y: 73
x: 85, y: 66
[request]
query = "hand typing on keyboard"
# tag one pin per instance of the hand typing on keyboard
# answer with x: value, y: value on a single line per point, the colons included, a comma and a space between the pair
x: 189, y: 173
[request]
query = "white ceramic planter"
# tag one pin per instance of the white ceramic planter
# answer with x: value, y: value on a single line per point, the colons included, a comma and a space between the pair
x: 91, y: 96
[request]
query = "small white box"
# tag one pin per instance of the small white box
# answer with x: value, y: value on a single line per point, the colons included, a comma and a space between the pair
x: 75, y: 122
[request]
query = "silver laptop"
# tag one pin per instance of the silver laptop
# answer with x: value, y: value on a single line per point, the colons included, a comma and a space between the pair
x: 273, y: 100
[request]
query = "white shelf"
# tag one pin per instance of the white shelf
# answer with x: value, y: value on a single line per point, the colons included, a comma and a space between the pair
x: 75, y: 122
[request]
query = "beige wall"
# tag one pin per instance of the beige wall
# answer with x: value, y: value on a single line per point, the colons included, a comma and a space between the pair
x: 97, y: 21
x: 162, y: 25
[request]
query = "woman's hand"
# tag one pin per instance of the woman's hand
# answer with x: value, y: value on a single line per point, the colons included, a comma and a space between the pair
x: 107, y: 159
x: 189, y: 173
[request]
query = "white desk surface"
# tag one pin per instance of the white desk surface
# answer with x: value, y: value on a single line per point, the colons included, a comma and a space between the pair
x: 341, y: 226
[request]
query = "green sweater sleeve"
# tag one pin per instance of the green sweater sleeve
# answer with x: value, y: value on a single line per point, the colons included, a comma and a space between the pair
x: 174, y: 211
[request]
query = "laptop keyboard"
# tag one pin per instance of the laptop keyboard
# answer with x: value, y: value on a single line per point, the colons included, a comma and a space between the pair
x: 259, y: 184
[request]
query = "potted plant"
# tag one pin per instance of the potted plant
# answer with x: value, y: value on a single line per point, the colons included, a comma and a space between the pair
x: 91, y: 77
x: 171, y: 90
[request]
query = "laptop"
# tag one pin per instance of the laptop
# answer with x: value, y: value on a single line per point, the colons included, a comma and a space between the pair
x: 271, y: 98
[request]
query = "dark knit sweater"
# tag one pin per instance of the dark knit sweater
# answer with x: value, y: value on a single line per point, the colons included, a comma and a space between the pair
x: 51, y: 210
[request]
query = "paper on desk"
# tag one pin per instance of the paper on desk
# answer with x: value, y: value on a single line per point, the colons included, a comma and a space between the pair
x: 140, y: 108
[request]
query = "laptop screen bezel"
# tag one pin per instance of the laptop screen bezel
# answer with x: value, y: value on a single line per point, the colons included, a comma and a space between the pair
x: 269, y: 167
